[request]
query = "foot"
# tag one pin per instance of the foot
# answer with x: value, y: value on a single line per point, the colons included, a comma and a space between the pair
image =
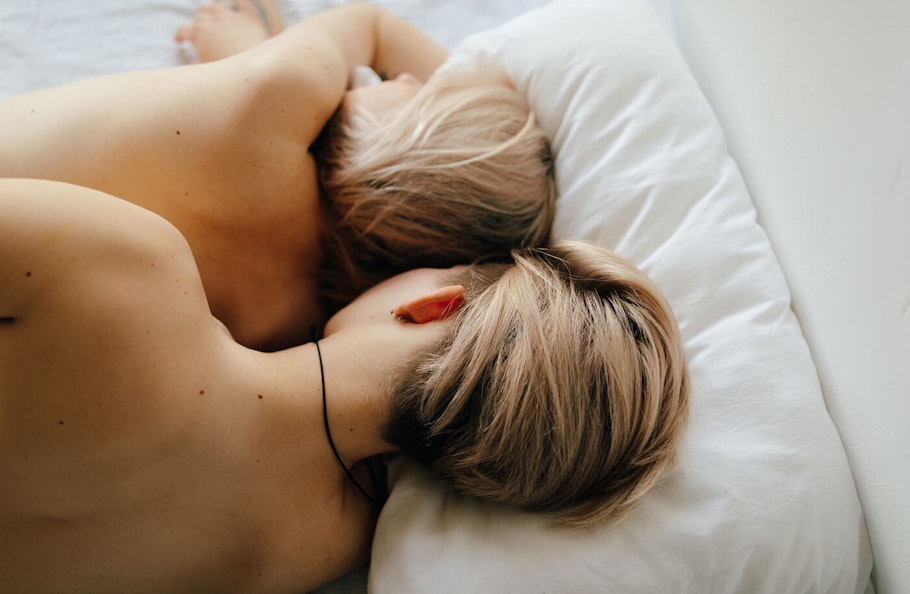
x: 227, y: 27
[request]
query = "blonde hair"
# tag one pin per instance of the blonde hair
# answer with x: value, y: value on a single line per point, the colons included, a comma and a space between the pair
x: 462, y: 171
x: 562, y: 389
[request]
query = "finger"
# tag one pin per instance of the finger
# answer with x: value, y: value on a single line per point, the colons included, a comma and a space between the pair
x: 226, y: 4
x: 212, y: 9
x: 185, y: 32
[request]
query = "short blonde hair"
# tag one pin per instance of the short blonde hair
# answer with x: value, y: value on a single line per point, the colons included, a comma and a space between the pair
x: 562, y: 389
x: 461, y: 172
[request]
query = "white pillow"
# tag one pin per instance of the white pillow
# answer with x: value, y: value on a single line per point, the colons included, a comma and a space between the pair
x: 763, y: 499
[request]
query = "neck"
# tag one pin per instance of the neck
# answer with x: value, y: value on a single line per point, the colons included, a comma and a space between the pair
x: 355, y: 408
x: 359, y: 408
x: 357, y: 366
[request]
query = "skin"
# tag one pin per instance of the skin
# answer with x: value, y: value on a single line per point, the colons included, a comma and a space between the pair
x: 221, y: 149
x: 143, y: 449
x: 228, y: 27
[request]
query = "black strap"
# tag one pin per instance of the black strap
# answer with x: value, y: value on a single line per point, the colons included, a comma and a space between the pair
x: 328, y: 432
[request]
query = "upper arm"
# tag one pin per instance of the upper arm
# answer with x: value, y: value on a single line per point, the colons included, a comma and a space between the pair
x: 303, y: 71
x: 362, y: 34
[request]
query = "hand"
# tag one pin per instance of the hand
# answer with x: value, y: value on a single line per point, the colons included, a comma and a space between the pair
x: 224, y: 28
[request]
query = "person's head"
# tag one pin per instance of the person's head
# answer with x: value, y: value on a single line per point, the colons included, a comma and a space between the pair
x: 561, y: 386
x: 429, y: 175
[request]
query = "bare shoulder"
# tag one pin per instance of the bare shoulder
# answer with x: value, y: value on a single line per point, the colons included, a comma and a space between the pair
x: 99, y: 300
x: 300, y: 73
x: 57, y: 240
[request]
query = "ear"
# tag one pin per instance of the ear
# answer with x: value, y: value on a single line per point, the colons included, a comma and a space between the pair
x: 435, y: 306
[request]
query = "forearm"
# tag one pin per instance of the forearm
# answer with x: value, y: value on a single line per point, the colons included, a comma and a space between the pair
x: 402, y: 47
x: 368, y: 35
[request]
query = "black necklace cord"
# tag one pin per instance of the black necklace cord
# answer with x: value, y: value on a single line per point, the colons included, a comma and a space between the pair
x: 328, y: 433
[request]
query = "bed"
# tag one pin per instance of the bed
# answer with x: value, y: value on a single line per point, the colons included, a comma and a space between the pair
x: 749, y: 157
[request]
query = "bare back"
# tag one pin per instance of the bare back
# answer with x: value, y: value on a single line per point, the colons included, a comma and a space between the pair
x: 142, y: 449
x: 221, y: 150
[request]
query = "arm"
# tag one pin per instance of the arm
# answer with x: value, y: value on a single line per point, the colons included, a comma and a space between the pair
x: 368, y: 35
x: 303, y: 72
x: 361, y: 33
